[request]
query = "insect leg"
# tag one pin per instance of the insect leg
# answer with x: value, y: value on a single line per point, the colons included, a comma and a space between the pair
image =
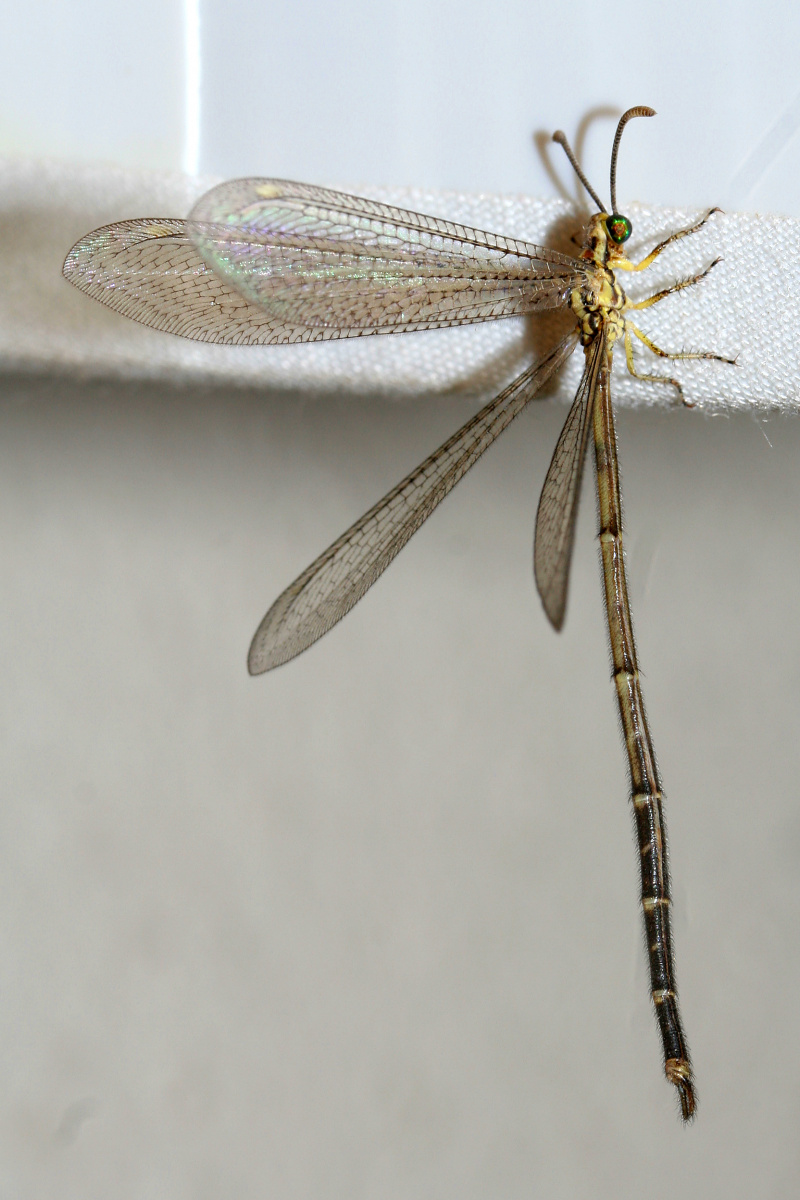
x: 681, y: 354
x: 654, y: 378
x: 673, y: 237
x: 684, y: 354
x: 675, y: 287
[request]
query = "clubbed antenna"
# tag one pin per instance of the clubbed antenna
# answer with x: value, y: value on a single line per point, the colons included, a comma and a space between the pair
x: 641, y: 110
x: 560, y: 137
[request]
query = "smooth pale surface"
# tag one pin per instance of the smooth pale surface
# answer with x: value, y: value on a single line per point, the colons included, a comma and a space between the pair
x: 443, y: 95
x: 368, y: 926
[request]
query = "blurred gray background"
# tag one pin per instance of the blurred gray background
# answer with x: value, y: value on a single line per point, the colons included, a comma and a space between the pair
x: 368, y: 927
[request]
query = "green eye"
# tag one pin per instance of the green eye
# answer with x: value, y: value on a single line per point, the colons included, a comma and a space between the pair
x: 619, y: 228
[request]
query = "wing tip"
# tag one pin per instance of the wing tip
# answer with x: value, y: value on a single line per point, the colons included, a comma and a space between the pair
x: 70, y: 265
x: 555, y: 611
x: 557, y: 620
x: 259, y: 658
x: 256, y: 667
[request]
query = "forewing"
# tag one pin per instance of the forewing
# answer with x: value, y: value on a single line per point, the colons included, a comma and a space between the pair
x: 263, y: 261
x: 558, y: 505
x: 340, y: 265
x: 339, y: 578
x: 151, y: 271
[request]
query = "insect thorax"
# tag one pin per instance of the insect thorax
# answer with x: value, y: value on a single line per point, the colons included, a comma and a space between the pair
x: 599, y: 303
x: 599, y: 300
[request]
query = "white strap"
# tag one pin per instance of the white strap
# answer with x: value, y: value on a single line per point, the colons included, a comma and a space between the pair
x: 747, y: 308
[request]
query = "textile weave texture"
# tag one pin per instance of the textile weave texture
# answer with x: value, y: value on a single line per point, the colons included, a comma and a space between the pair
x: 745, y: 309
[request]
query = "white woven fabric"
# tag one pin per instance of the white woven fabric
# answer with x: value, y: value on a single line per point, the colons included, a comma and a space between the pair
x: 746, y: 308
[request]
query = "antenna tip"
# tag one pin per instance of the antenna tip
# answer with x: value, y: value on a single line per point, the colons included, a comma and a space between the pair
x: 641, y: 110
x: 560, y: 137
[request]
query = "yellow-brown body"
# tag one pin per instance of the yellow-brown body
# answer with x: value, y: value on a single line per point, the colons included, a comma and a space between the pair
x: 600, y: 301
x: 600, y: 306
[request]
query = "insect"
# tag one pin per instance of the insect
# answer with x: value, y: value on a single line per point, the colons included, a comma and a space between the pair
x: 268, y: 261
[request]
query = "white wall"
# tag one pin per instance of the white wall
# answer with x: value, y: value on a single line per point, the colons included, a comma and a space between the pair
x: 368, y: 927
x: 442, y: 94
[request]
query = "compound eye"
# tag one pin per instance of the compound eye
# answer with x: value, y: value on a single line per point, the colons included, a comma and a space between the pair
x: 619, y: 228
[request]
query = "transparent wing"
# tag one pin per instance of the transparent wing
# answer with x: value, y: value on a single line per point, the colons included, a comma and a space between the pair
x: 339, y: 578
x: 264, y: 260
x: 151, y: 271
x: 558, y: 504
